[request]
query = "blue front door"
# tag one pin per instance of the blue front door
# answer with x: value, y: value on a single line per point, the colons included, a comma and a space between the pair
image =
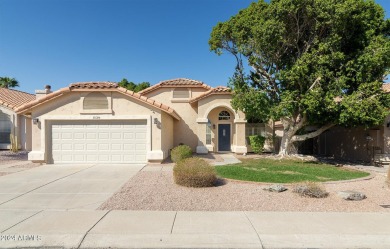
x: 224, y: 137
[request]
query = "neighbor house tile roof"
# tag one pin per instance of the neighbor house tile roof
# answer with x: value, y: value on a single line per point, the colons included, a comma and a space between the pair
x: 97, y: 86
x: 13, y: 98
x: 386, y: 87
x: 180, y: 82
x: 93, y: 85
x: 213, y: 91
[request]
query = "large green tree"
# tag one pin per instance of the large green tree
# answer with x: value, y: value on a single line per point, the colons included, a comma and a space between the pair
x: 129, y: 85
x: 7, y: 82
x: 308, y: 62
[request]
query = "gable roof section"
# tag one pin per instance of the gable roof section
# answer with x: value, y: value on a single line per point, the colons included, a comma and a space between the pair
x: 219, y: 90
x: 93, y: 85
x: 180, y: 82
x: 96, y: 86
x: 13, y: 98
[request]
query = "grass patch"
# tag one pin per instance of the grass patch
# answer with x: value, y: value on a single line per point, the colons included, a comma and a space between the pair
x: 286, y: 171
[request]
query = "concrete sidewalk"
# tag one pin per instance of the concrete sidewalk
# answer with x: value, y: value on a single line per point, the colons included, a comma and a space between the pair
x: 154, y: 229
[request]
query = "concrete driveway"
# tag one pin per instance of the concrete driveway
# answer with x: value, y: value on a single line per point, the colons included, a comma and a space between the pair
x: 63, y: 187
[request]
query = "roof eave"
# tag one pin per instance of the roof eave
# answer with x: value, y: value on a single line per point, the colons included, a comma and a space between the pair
x: 196, y: 99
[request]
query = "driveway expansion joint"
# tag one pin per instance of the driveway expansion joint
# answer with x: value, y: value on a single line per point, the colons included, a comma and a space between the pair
x: 173, y: 224
x: 85, y: 235
x: 258, y: 236
x: 22, y: 221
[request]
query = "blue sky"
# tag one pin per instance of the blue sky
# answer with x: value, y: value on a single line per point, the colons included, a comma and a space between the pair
x: 58, y: 42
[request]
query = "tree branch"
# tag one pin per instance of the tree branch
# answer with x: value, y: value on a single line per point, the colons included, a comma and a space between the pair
x: 298, y: 138
x: 264, y: 73
x: 315, y: 83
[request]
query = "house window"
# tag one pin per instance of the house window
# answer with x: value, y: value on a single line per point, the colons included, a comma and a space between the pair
x: 181, y: 93
x: 5, y: 128
x: 224, y: 115
x: 95, y: 101
x: 252, y: 129
x: 208, y: 132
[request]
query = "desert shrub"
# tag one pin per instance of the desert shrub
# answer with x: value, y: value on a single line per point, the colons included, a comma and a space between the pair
x: 180, y: 152
x: 310, y: 189
x: 194, y: 172
x: 257, y: 143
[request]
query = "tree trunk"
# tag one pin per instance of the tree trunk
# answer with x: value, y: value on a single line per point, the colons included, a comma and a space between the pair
x: 285, y: 145
x: 289, y: 137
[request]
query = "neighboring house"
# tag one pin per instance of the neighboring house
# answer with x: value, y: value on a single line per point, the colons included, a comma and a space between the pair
x: 11, y: 123
x: 354, y: 144
x: 100, y: 122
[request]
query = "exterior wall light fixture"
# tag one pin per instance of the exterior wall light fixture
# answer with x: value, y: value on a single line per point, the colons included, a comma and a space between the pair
x: 35, y: 121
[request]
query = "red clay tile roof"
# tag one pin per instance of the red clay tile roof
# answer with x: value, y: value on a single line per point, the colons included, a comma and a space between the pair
x: 180, y: 82
x: 93, y: 85
x: 96, y: 86
x: 213, y: 91
x: 386, y: 87
x: 13, y: 98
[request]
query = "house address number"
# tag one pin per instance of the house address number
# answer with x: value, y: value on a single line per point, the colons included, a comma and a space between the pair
x: 95, y: 117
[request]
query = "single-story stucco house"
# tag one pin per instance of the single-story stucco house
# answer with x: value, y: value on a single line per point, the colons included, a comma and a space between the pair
x: 101, y: 122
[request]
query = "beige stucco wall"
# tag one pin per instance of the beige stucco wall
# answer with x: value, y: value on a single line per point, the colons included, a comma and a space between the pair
x: 167, y: 129
x: 69, y: 106
x: 185, y: 130
x: 25, y: 132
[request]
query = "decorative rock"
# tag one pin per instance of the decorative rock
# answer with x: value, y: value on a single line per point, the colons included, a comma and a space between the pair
x: 351, y: 195
x: 275, y: 188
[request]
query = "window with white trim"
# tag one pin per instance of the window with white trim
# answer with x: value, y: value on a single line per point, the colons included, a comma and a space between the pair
x: 224, y: 115
x: 95, y: 101
x: 5, y: 128
x: 208, y: 132
x: 181, y: 93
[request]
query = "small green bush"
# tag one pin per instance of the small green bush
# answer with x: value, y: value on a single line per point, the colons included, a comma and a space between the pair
x: 194, y: 172
x: 257, y: 143
x: 310, y: 189
x: 180, y: 152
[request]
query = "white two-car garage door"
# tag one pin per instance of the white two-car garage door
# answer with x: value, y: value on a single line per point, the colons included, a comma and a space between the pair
x: 99, y: 141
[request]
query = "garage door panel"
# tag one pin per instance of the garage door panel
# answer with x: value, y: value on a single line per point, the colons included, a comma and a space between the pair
x: 66, y: 135
x: 116, y: 135
x: 116, y: 146
x: 104, y: 135
x: 66, y: 147
x: 78, y: 146
x: 128, y: 135
x: 140, y: 135
x: 99, y: 142
x: 91, y: 135
x: 78, y: 135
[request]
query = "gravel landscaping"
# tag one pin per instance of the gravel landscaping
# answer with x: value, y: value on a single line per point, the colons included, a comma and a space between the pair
x: 12, y: 162
x: 155, y: 190
x: 7, y: 156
